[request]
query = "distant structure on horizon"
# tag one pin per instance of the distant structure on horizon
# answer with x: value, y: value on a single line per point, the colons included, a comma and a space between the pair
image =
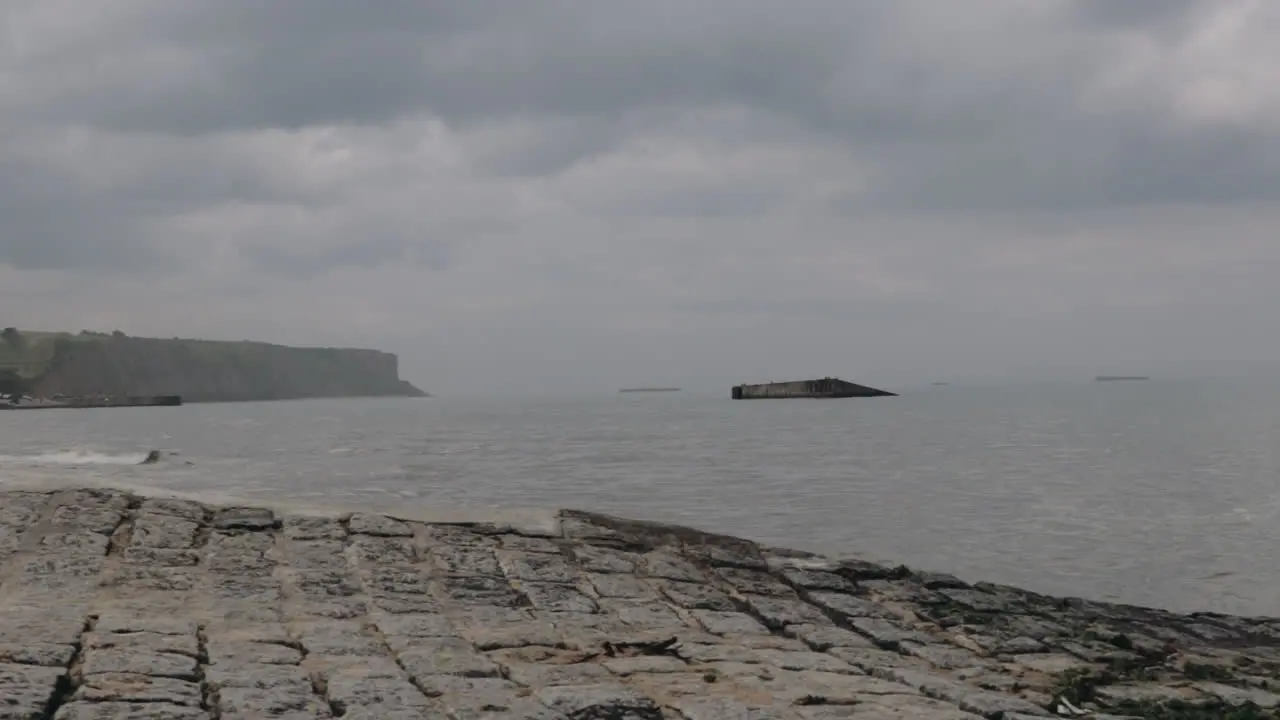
x: 1114, y: 378
x: 649, y: 389
x: 823, y: 388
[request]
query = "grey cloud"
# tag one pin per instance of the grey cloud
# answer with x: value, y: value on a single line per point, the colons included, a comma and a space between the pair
x: 618, y: 177
x: 873, y: 78
x: 534, y: 147
x: 50, y: 222
x: 1138, y: 14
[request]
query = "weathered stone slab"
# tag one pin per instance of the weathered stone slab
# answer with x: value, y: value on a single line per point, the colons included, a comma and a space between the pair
x: 824, y: 637
x: 128, y: 711
x: 618, y: 585
x: 303, y: 527
x: 341, y: 638
x: 850, y: 606
x: 536, y: 567
x: 604, y: 560
x: 140, y: 661
x: 496, y: 636
x: 457, y: 535
x: 723, y: 708
x: 446, y: 656
x: 240, y: 554
x: 728, y: 623
x: 249, y: 690
x: 554, y: 597
x: 353, y: 694
x: 232, y: 653
x: 816, y: 580
x: 463, y: 560
x: 667, y: 565
x: 184, y: 610
x: 26, y: 690
x: 754, y: 582
x: 537, y: 675
x: 779, y: 612
x: 695, y: 596
x: 416, y: 625
x: 126, y: 688
x: 524, y: 543
x: 46, y: 654
x: 477, y: 590
x: 380, y: 525
x: 159, y: 530
x: 643, y: 614
x: 185, y: 509
x: 19, y: 624
x: 964, y: 696
x: 800, y: 688
x: 91, y: 518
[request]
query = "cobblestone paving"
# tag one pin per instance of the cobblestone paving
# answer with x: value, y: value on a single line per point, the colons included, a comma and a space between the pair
x: 118, y: 606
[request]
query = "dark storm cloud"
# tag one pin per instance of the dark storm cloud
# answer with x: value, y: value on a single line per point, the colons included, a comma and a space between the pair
x: 1138, y: 14
x: 886, y: 80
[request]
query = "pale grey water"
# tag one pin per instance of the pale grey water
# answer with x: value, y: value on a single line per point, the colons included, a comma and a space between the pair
x: 1155, y: 493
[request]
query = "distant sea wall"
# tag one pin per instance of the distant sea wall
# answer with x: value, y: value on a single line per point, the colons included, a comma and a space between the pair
x: 211, y: 371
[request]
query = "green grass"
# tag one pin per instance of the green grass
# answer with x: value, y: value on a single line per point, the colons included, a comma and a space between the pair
x: 31, y: 356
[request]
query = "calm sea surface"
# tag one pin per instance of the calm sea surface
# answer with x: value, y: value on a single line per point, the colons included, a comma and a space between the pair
x: 1155, y: 493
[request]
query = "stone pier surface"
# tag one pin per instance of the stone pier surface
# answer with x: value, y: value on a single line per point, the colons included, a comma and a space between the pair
x: 117, y: 605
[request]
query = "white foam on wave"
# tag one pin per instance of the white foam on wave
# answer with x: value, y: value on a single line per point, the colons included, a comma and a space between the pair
x: 74, y: 457
x: 534, y: 520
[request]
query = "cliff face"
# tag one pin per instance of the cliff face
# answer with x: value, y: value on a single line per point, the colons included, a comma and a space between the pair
x: 205, y: 370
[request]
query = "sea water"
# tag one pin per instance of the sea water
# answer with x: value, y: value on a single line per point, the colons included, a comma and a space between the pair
x: 1160, y: 493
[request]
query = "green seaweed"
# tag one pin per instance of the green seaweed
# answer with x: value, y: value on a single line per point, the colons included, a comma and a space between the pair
x: 1183, y: 710
x: 1079, y: 685
x: 1130, y: 669
x: 1121, y: 641
x: 1207, y: 671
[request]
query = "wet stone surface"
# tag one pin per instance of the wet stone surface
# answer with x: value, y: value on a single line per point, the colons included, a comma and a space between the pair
x: 123, y: 607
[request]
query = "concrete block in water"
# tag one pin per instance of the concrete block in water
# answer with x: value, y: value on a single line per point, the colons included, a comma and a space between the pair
x: 822, y: 388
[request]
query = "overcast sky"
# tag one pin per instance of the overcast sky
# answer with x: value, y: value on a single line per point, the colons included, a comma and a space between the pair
x: 581, y: 195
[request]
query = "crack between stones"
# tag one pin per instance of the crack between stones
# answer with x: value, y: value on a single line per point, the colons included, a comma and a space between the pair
x: 840, y: 619
x: 208, y: 694
x: 204, y: 531
x: 65, y: 687
x: 373, y: 629
x: 319, y: 684
x: 368, y: 623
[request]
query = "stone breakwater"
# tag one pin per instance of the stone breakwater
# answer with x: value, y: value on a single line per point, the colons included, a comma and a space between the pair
x: 114, y: 605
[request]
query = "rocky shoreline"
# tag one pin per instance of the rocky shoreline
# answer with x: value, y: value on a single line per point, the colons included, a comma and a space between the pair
x: 118, y: 605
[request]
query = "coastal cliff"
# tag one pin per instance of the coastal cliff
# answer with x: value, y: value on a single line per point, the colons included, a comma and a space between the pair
x: 198, y: 370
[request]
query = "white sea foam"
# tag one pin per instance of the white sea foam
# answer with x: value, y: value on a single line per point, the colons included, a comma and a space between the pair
x: 74, y: 457
x: 535, y: 520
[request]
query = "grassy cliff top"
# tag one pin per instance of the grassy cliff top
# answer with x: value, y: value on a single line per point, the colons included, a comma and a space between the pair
x: 29, y: 353
x: 115, y: 363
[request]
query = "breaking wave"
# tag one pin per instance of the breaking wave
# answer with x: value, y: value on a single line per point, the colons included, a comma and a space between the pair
x: 74, y: 457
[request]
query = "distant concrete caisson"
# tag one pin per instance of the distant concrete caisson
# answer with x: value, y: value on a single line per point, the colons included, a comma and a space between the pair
x: 823, y: 388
